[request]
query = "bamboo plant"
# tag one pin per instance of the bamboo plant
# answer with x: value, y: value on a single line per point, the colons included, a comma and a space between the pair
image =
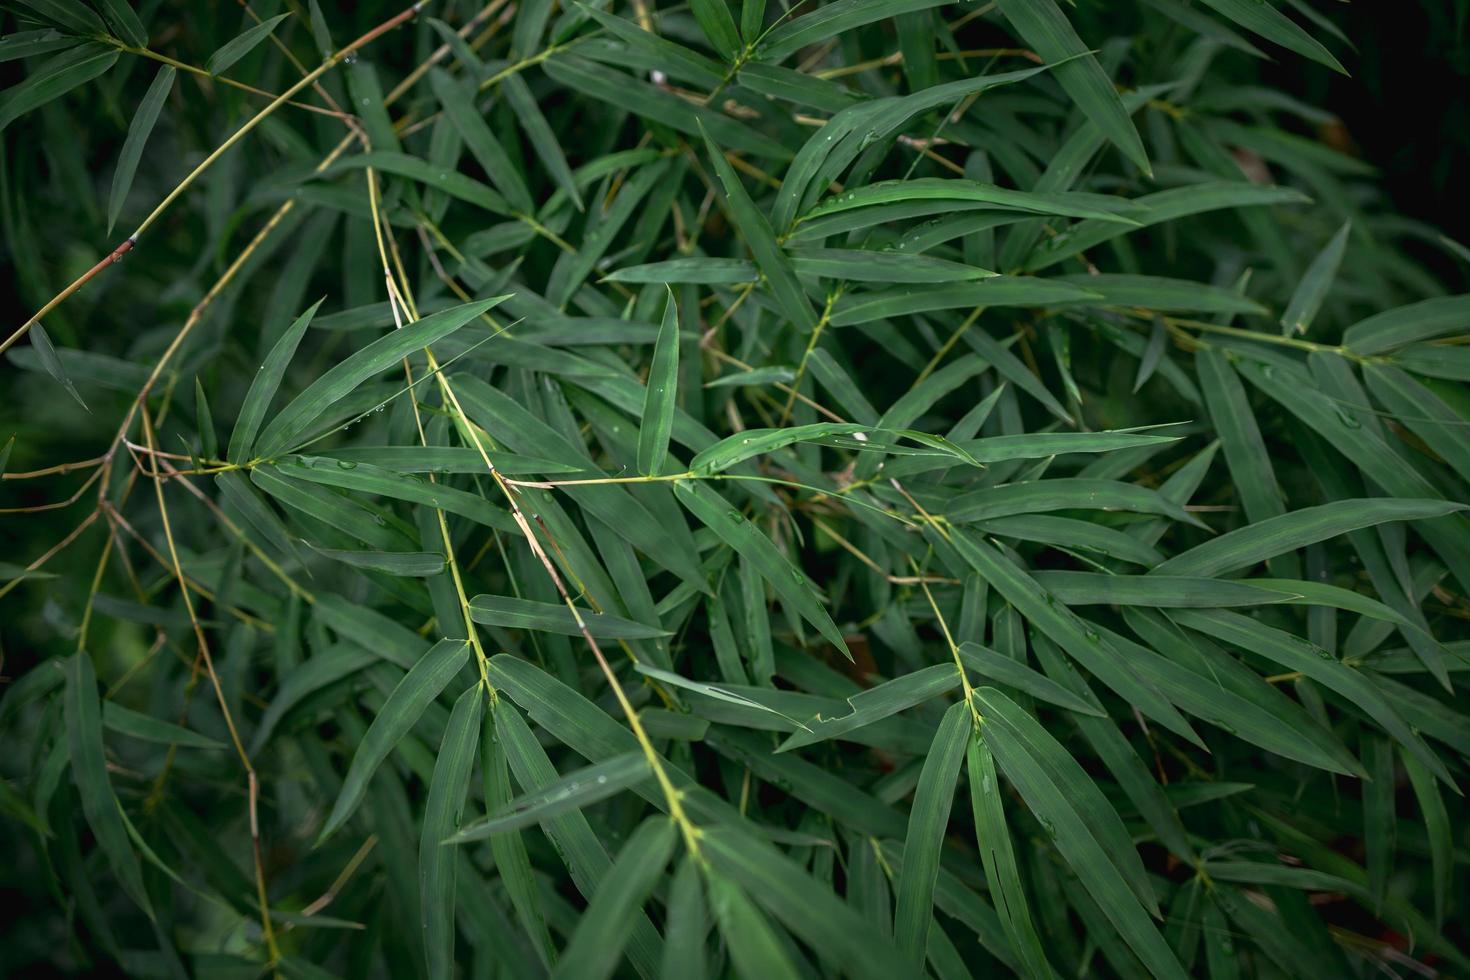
x: 877, y: 488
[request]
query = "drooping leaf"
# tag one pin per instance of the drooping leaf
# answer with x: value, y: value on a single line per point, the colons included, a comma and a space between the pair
x: 418, y: 688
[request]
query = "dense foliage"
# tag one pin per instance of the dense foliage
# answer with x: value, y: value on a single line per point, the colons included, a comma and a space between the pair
x: 872, y: 488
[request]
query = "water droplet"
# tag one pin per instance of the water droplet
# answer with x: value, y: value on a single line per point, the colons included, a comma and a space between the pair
x: 380, y: 520
x: 347, y: 464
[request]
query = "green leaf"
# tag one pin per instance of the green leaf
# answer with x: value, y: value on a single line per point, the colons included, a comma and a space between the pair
x: 756, y: 233
x: 1161, y: 295
x: 1240, y: 437
x: 688, y: 922
x: 674, y: 60
x: 538, y: 130
x: 1405, y: 325
x: 123, y: 20
x: 1171, y: 591
x: 570, y: 792
x: 1159, y: 207
x: 578, y: 847
x: 507, y: 611
x: 204, y: 418
x: 1424, y: 413
x: 927, y: 823
x: 877, y: 703
x: 856, y: 308
x: 866, y: 265
x: 320, y: 32
x: 1265, y: 539
x: 659, y: 106
x: 1062, y: 494
x: 1378, y: 817
x: 1294, y: 653
x: 438, y: 864
x: 830, y: 20
x: 970, y: 191
x: 70, y: 15
x: 605, y: 928
x: 27, y: 44
x: 414, y: 693
x: 663, y: 380
x: 704, y: 271
x: 1437, y: 827
x: 238, y: 47
x: 459, y: 108
x: 746, y: 698
x: 718, y: 27
x: 1312, y: 290
x: 53, y: 79
x: 443, y: 179
x: 1043, y: 26
x: 47, y: 355
x: 999, y: 859
x: 83, y: 712
x: 146, y: 728
x: 1049, y: 781
x: 445, y: 460
x: 350, y: 475
x: 264, y: 385
x: 1012, y: 673
x: 731, y: 527
x: 751, y: 938
x: 344, y: 377
x: 809, y: 910
x: 1081, y: 641
x: 139, y: 130
x: 318, y: 672
x: 1262, y: 17
x: 410, y: 564
x: 509, y: 849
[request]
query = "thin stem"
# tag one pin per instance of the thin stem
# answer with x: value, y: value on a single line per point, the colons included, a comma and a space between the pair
x: 225, y: 80
x: 224, y: 706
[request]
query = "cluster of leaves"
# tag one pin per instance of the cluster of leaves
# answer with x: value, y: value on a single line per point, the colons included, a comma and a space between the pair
x: 727, y: 434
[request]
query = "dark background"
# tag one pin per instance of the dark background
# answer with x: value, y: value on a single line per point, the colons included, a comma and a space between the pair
x: 1405, y: 107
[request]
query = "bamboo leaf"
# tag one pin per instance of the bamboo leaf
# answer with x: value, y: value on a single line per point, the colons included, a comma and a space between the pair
x: 1262, y: 17
x: 604, y: 930
x: 1031, y: 760
x: 340, y: 380
x: 139, y: 130
x: 238, y: 47
x: 53, y: 79
x: 927, y: 822
x: 999, y: 858
x: 570, y: 792
x: 264, y: 385
x: 438, y: 864
x: 1044, y: 27
x: 418, y: 688
x: 528, y: 614
x: 1313, y: 288
x: 663, y: 380
x: 1265, y: 539
x: 146, y: 728
x: 756, y: 232
x: 83, y: 712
